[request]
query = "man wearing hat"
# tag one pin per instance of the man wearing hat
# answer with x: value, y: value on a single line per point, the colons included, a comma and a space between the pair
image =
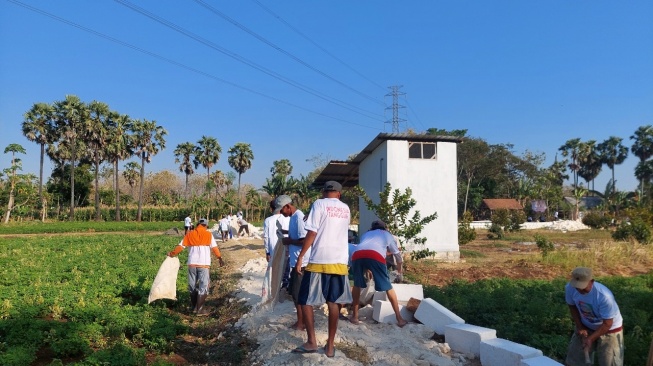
x: 270, y: 228
x: 325, y: 276
x: 295, y: 242
x: 597, y: 321
x: 370, y: 256
x: 200, y: 244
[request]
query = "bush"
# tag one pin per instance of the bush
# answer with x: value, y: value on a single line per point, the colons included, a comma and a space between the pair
x: 544, y: 244
x: 596, y: 220
x: 466, y: 233
x: 516, y: 219
x: 637, y: 229
x: 495, y: 232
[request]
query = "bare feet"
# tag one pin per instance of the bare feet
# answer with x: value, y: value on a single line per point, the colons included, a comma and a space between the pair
x: 298, y: 327
x: 402, y: 323
x: 354, y: 320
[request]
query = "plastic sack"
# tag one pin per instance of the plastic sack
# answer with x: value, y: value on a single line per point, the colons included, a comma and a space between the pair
x: 165, y: 282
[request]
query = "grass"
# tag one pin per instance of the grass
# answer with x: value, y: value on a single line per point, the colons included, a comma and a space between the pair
x: 466, y: 253
x: 37, y: 227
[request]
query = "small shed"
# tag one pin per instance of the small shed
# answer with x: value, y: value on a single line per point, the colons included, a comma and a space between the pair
x: 489, y: 205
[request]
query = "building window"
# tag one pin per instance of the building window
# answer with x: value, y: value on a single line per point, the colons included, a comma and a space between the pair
x: 422, y: 150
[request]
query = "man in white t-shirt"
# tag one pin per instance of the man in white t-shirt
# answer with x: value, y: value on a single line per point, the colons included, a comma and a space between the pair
x: 325, y: 276
x: 370, y: 256
x: 597, y: 320
x: 187, y: 224
x: 271, y: 232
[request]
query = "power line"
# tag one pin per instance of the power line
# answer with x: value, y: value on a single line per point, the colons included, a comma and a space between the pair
x: 414, y: 113
x: 269, y: 43
x: 178, y: 64
x: 294, y: 29
x: 244, y: 60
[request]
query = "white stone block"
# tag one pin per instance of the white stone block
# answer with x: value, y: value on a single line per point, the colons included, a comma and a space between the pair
x: 380, y: 295
x: 436, y: 316
x: 406, y: 291
x: 466, y: 338
x: 383, y: 313
x: 502, y: 352
x: 540, y: 361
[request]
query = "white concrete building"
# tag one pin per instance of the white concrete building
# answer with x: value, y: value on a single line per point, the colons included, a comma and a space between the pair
x: 426, y: 164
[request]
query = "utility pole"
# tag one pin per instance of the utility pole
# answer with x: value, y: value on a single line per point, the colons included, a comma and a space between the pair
x: 394, y: 93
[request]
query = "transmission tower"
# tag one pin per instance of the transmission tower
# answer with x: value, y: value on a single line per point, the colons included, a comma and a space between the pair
x: 395, y: 93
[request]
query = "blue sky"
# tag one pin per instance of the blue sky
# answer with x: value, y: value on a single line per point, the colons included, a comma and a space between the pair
x: 531, y: 73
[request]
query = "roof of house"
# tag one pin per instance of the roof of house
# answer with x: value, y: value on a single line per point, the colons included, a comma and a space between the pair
x: 502, y: 203
x: 585, y: 202
x: 346, y: 172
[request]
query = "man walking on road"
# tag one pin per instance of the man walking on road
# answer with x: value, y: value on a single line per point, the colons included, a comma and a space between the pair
x: 325, y: 276
x: 200, y: 244
x: 597, y: 321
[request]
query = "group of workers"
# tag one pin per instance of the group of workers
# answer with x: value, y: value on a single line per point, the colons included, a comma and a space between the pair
x: 319, y: 263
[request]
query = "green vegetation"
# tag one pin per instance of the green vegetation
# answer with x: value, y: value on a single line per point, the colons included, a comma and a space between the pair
x: 86, y: 227
x: 535, y: 313
x: 85, y: 298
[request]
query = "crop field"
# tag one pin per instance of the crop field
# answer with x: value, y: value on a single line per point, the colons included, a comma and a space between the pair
x: 83, y: 298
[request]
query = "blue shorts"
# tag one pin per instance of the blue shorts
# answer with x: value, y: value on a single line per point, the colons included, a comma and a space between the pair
x: 379, y: 273
x: 317, y: 288
x: 198, y: 280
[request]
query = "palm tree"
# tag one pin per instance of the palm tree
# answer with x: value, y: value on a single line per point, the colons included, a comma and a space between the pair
x: 281, y: 167
x: 218, y: 178
x: 240, y: 159
x: 208, y: 154
x: 11, y: 173
x: 148, y: 141
x: 70, y: 114
x: 130, y: 173
x: 119, y: 147
x: 642, y: 148
x: 571, y: 148
x: 38, y: 127
x: 589, y: 161
x: 279, y: 185
x: 183, y: 154
x: 612, y: 153
x: 95, y: 131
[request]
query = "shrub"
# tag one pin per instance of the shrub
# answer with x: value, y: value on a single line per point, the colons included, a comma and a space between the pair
x: 495, y: 232
x: 544, y: 244
x: 466, y: 233
x: 636, y: 229
x: 516, y: 219
x: 596, y: 220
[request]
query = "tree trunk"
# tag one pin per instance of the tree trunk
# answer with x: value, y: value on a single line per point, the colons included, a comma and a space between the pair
x: 116, y: 188
x: 41, y: 179
x: 97, y: 191
x: 140, y: 190
x: 71, y: 211
x: 469, y: 181
x: 10, y: 205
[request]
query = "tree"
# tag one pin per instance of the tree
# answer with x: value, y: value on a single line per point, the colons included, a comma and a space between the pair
x: 240, y: 159
x: 281, y: 167
x: 395, y: 214
x: 38, y: 127
x: 95, y: 132
x: 644, y: 172
x: 219, y: 180
x: 120, y: 146
x: 207, y: 154
x: 280, y: 184
x: 643, y: 149
x: 11, y: 174
x: 612, y: 153
x: 589, y: 161
x: 572, y: 148
x: 131, y: 174
x: 70, y: 114
x: 149, y: 139
x: 183, y: 154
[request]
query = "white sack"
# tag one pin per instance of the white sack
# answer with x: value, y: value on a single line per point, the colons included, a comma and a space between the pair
x: 165, y: 282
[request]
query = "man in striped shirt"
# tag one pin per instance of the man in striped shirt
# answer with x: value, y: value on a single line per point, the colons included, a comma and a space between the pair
x: 200, y: 244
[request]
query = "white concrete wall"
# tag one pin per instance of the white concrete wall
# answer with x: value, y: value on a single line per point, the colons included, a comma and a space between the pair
x: 433, y: 183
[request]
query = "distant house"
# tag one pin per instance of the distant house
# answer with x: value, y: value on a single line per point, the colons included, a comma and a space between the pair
x: 425, y: 163
x: 489, y: 205
x: 585, y: 203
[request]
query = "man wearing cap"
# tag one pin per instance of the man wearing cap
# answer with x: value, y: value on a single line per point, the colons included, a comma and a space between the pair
x: 597, y: 321
x: 295, y: 242
x: 200, y: 244
x: 272, y: 231
x: 370, y: 256
x: 325, y: 276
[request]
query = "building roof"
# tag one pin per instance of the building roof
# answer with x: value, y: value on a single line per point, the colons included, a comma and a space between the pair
x: 502, y: 203
x: 585, y: 202
x: 346, y: 172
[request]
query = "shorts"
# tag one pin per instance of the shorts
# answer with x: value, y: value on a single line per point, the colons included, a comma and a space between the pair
x: 379, y: 273
x: 295, y: 284
x: 198, y: 280
x: 317, y: 288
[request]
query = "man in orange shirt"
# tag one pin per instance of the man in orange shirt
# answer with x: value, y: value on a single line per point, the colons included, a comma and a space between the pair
x: 200, y: 243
